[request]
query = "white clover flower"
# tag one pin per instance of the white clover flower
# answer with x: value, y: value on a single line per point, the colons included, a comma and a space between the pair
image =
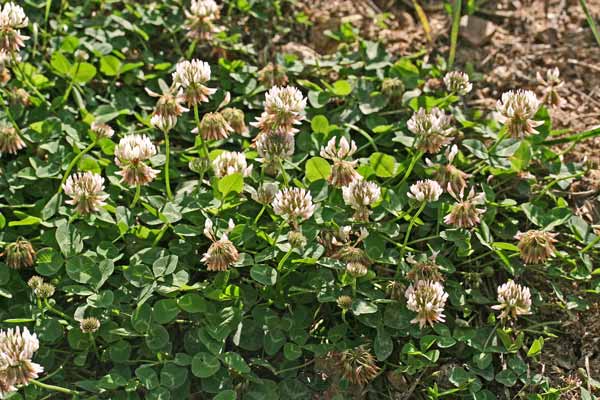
x: 514, y: 300
x: 89, y: 325
x: 12, y: 19
x: 535, y: 246
x: 551, y: 83
x: 130, y: 155
x: 16, y: 351
x: 168, y: 108
x: 458, y: 82
x: 516, y: 112
x: 265, y: 194
x: 214, y: 127
x: 425, y: 191
x: 102, y: 130
x: 465, y: 213
x: 192, y: 76
x: 86, y: 191
x: 342, y: 172
x: 275, y: 147
x: 200, y: 19
x: 432, y: 129
x: 10, y: 140
x: 222, y: 252
x: 359, y: 195
x: 294, y: 204
x: 231, y: 162
x: 427, y: 299
x: 284, y: 108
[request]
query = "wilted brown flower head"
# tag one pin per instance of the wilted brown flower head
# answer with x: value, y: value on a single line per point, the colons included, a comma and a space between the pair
x: 222, y: 252
x: 86, y: 191
x: 16, y: 351
x: 551, y: 84
x: 265, y: 194
x: 89, y: 325
x: 19, y: 254
x: 274, y: 147
x: 395, y: 290
x: 213, y: 126
x: 10, y: 140
x: 424, y: 270
x: 465, y: 213
x: 431, y: 128
x: 514, y: 300
x: 516, y: 112
x: 359, y: 365
x: 236, y: 119
x: 344, y: 302
x: 536, y: 246
x: 273, y: 75
x: 343, y: 172
x: 427, y: 299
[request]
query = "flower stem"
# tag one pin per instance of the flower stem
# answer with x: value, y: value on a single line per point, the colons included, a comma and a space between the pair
x: 167, y: 154
x: 283, y: 174
x: 138, y: 189
x: 57, y: 312
x: 260, y: 213
x: 26, y: 79
x: 202, y: 141
x: 413, y: 162
x: 73, y: 162
x: 54, y: 388
x: 410, y: 226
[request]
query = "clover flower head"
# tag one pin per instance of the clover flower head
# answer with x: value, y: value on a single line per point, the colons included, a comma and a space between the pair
x: 130, y: 155
x: 359, y: 366
x: 427, y: 299
x: 89, y: 325
x: 425, y: 191
x: 342, y: 172
x: 236, y: 119
x: 536, y: 246
x: 516, y: 112
x: 296, y: 239
x: 12, y: 19
x: 86, y: 191
x: 35, y: 281
x: 10, y: 140
x: 294, y: 204
x: 359, y: 195
x: 191, y: 76
x: 200, y: 18
x: 45, y: 290
x: 168, y: 108
x: 16, y: 351
x: 450, y: 176
x: 231, y: 162
x: 356, y: 269
x: 102, y: 130
x: 275, y: 146
x: 393, y: 88
x: 344, y: 302
x: 222, y: 252
x: 19, y: 254
x: 458, y: 82
x: 465, y: 213
x: 214, y: 126
x: 551, y: 83
x: 514, y: 300
x: 424, y: 270
x: 284, y: 108
x: 265, y: 194
x: 432, y: 129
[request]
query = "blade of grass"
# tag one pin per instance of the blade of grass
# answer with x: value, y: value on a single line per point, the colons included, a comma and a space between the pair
x: 456, y: 11
x: 590, y: 20
x: 423, y: 19
x: 575, y: 138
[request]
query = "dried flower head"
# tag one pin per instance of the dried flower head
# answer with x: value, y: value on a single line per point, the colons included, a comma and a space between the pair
x: 200, y: 19
x: 392, y: 88
x: 102, y: 130
x: 359, y: 195
x: 130, y: 155
x: 343, y: 172
x: 16, y: 351
x: 10, y: 140
x: 86, y: 191
x: 359, y: 365
x: 168, y: 108
x: 344, y: 302
x: 12, y: 20
x: 294, y: 204
x: 265, y: 194
x: 356, y: 269
x: 231, y: 162
x: 353, y: 254
x: 284, y: 108
x: 424, y: 270
x: 551, y: 83
x: 19, y: 254
x: 192, y: 76
x: 395, y: 290
x: 465, y: 213
x: 448, y: 175
x: 273, y: 75
x: 274, y: 147
x: 45, y: 290
x: 516, y: 112
x: 89, y: 325
x: 458, y: 82
x: 296, y: 239
x: 236, y: 119
x: 535, y: 246
x: 432, y: 129
x: 35, y: 281
x: 427, y: 299
x: 20, y: 96
x: 222, y: 252
x: 514, y: 300
x: 425, y: 191
x: 214, y: 126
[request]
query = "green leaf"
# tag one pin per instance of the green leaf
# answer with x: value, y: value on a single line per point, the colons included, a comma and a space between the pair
x: 110, y: 65
x: 383, y: 345
x: 205, y: 365
x: 342, y: 88
x: 236, y: 362
x: 264, y: 274
x: 506, y: 377
x: 384, y: 165
x: 85, y: 73
x: 165, y: 311
x: 83, y: 269
x: 536, y: 347
x: 320, y: 124
x: 317, y: 168
x: 165, y: 266
x: 192, y: 303
x: 60, y: 64
x: 68, y: 240
x: 226, y: 395
x: 360, y: 307
x: 88, y: 163
x: 231, y: 183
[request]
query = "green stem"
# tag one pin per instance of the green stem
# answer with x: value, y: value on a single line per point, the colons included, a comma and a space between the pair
x: 26, y: 80
x: 413, y: 162
x: 260, y: 213
x: 72, y: 164
x: 54, y: 388
x: 456, y: 10
x: 202, y: 141
x: 55, y: 311
x: 591, y: 244
x: 410, y: 226
x: 284, y: 259
x: 138, y: 190
x: 167, y: 155
x: 283, y: 174
x: 9, y: 115
x: 70, y: 87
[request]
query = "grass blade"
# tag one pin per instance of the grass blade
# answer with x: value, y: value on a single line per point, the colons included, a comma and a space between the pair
x: 456, y: 11
x: 423, y: 19
x: 575, y: 138
x: 590, y: 20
